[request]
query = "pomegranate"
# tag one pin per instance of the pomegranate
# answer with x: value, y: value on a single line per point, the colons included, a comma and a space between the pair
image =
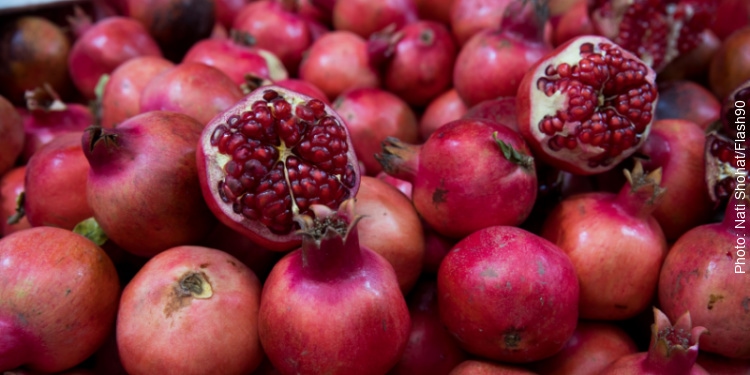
x: 723, y: 169
x: 489, y: 179
x: 269, y: 157
x: 237, y: 58
x: 447, y: 107
x: 704, y: 274
x: 56, y: 184
x: 276, y: 29
x: 657, y: 31
x: 258, y: 259
x: 131, y: 188
x: 33, y: 51
x: 12, y: 217
x: 365, y: 321
x: 431, y: 350
x: 391, y: 228
x: 181, y: 303
x: 730, y: 66
x: 11, y: 135
x: 192, y: 88
x: 372, y: 115
x: 508, y: 295
x: 303, y: 87
x: 592, y: 348
x: 103, y: 47
x: 416, y: 61
x: 121, y: 98
x: 503, y: 55
x: 436, y: 247
x: 403, y: 186
x: 59, y: 299
x: 47, y: 117
x: 689, y: 101
x: 468, y: 17
x: 575, y: 116
x: 337, y: 62
x: 227, y: 10
x: 694, y: 64
x: 433, y: 10
x: 673, y: 350
x: 571, y: 24
x: 734, y: 110
x: 501, y: 110
x: 175, y: 24
x: 364, y: 17
x: 677, y: 146
x: 718, y: 365
x: 615, y: 244
x: 731, y: 15
x: 480, y: 367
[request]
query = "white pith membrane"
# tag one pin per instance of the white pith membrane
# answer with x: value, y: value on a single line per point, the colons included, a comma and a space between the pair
x: 559, y: 102
x: 719, y: 172
x: 216, y: 171
x: 276, y: 69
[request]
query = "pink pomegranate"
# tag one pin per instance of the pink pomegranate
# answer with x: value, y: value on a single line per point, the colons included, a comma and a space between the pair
x: 269, y: 157
x: 121, y: 98
x: 447, y: 107
x: 365, y: 17
x: 11, y: 135
x: 508, y: 295
x: 704, y: 274
x: 337, y: 62
x: 180, y: 303
x: 12, y: 216
x: 687, y: 100
x: 60, y: 293
x: 303, y: 87
x: 258, y: 259
x: 575, y: 117
x: 56, y: 184
x: 573, y: 23
x: 502, y: 55
x: 501, y: 110
x: 615, y: 244
x: 673, y: 350
x: 366, y: 324
x: 403, y: 186
x: 372, y: 115
x: 105, y: 46
x: 481, y: 367
x: 391, y: 227
x: 489, y: 179
x: 416, y: 61
x: 133, y: 189
x: 192, y: 88
x: 468, y: 17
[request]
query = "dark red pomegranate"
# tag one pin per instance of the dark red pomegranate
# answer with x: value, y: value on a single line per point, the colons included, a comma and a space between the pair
x: 143, y: 180
x: 489, y: 179
x: 576, y: 116
x: 468, y: 17
x: 730, y: 66
x: 705, y: 273
x: 269, y: 157
x: 436, y: 247
x: 508, y: 295
x: 333, y: 306
x: 33, y: 52
x: 445, y: 108
x: 103, y: 47
x: 11, y: 135
x: 731, y: 15
x: 687, y: 100
x: 694, y: 64
x: 11, y: 210
x: 227, y: 10
x: 364, y: 17
x: 372, y: 115
x: 435, y: 10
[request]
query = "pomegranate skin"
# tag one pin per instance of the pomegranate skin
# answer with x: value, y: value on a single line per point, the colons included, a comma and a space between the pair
x: 687, y: 100
x: 469, y: 17
x: 447, y: 107
x: 729, y: 66
x: 192, y: 88
x: 508, y: 295
x: 633, y: 364
x: 58, y: 301
x: 718, y: 365
x: 41, y: 126
x: 303, y: 87
x: 500, y: 110
x: 103, y: 47
x: 479, y: 367
x: 122, y: 94
x: 12, y: 184
x: 182, y: 303
x: 364, y: 17
x: 133, y: 190
x: 11, y: 135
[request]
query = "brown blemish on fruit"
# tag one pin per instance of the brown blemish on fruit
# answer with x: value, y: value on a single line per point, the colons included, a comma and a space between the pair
x: 712, y: 299
x: 439, y: 196
x: 233, y: 263
x: 204, y: 265
x: 191, y: 285
x: 512, y: 338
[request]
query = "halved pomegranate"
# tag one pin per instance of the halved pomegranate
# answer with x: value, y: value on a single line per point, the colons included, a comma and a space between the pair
x: 722, y: 168
x: 587, y: 106
x: 269, y: 157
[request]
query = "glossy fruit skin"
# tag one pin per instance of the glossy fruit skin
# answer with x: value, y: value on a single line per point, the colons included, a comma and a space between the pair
x: 729, y: 66
x: 683, y: 99
x: 482, y: 367
x: 11, y: 185
x: 508, y: 295
x: 364, y: 17
x: 58, y: 302
x: 187, y: 333
x: 447, y: 107
x: 11, y: 135
x: 468, y: 17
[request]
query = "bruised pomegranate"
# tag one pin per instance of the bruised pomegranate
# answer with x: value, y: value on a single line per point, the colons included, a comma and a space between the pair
x: 689, y: 101
x: 673, y: 350
x: 587, y: 106
x: 58, y: 301
x: 615, y: 244
x: 364, y: 17
x: 132, y: 189
x: 705, y: 273
x: 445, y: 108
x: 11, y: 186
x: 489, y: 179
x: 180, y: 303
x: 508, y: 295
x: 11, y: 135
x: 269, y: 157
x: 333, y: 306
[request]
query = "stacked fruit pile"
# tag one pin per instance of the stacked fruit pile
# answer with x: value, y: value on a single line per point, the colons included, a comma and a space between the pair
x: 375, y: 187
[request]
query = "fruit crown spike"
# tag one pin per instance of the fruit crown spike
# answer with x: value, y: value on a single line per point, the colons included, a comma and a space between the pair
x: 44, y: 98
x: 514, y: 156
x: 527, y: 18
x: 643, y: 192
x: 673, y: 349
x: 381, y: 46
x: 399, y: 159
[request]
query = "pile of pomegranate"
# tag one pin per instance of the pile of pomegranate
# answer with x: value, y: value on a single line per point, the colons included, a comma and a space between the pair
x: 437, y: 187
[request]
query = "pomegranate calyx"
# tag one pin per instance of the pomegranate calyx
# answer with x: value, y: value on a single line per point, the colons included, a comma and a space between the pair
x: 91, y: 229
x: 526, y: 18
x: 513, y: 155
x: 98, y: 135
x: 674, y: 349
x: 242, y: 38
x: 194, y: 284
x: 381, y: 46
x: 20, y: 210
x: 253, y: 82
x: 79, y: 22
x: 44, y: 98
x: 643, y: 192
x: 399, y: 159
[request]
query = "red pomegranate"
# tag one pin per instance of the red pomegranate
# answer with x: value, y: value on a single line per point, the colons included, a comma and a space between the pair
x: 364, y: 17
x: 730, y: 66
x: 573, y: 23
x: 445, y: 108
x: 687, y: 100
x: 501, y: 110
x: 435, y: 10
x: 693, y: 65
x: 258, y: 259
x: 731, y: 15
x: 11, y: 209
x: 468, y: 17
x: 11, y: 135
x: 480, y: 367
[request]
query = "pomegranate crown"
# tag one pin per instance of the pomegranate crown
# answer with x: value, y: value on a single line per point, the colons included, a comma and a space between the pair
x: 328, y: 223
x: 673, y: 348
